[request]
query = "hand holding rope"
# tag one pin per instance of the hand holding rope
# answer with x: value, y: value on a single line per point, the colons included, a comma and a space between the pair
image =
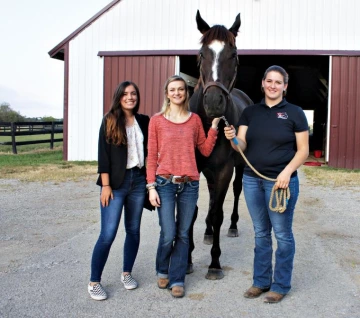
x: 281, y: 196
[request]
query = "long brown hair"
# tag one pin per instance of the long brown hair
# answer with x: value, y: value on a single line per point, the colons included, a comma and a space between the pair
x: 115, y: 121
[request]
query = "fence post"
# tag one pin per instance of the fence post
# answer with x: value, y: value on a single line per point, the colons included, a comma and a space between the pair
x: 13, y: 141
x: 52, y: 135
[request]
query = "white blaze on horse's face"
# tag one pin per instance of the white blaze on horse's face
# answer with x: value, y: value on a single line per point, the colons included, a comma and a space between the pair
x: 216, y: 47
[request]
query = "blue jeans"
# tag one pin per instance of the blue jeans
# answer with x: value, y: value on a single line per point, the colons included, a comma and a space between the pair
x: 257, y: 193
x: 172, y: 253
x: 131, y: 196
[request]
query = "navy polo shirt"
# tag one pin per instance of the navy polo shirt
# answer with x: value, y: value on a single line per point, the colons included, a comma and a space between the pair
x: 270, y: 137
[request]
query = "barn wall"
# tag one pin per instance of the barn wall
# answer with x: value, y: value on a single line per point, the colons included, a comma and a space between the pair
x: 170, y: 25
x: 148, y: 72
x: 280, y: 24
x: 344, y: 148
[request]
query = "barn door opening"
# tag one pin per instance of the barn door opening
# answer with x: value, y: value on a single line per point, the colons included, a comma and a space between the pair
x: 308, y: 85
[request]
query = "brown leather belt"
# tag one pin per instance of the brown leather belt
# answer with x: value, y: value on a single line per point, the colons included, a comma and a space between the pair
x: 176, y: 179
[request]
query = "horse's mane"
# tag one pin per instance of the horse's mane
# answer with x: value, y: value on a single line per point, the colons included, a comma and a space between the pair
x: 220, y: 33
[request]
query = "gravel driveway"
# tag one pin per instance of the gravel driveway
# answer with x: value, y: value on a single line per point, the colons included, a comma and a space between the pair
x: 47, y: 232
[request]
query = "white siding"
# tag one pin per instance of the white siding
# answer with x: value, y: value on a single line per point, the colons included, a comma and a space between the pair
x: 170, y: 25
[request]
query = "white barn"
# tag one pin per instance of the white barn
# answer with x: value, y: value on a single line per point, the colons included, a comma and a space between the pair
x: 146, y: 41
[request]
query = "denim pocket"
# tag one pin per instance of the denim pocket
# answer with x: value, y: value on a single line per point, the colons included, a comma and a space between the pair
x: 193, y: 184
x: 160, y: 181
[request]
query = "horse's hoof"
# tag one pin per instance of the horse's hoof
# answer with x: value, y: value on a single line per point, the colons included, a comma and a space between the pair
x: 190, y: 269
x: 214, y: 274
x: 233, y: 233
x: 208, y: 239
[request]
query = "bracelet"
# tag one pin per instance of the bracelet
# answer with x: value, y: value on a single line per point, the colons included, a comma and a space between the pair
x: 149, y: 185
x: 150, y: 188
x: 106, y: 185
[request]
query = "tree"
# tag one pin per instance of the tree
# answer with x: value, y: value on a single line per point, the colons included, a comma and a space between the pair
x: 9, y: 115
x: 48, y: 118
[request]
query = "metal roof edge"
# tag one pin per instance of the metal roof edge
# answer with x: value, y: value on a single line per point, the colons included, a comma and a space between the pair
x: 239, y: 52
x: 147, y: 52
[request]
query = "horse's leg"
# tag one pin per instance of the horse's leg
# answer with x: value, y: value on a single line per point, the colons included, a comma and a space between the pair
x: 190, y: 267
x: 237, y: 187
x: 222, y: 181
x: 208, y: 236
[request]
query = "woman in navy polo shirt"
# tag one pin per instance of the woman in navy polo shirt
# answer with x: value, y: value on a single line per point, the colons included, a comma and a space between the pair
x: 274, y: 134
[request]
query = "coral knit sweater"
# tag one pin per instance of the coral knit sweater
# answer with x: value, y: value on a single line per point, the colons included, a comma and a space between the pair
x: 171, y: 146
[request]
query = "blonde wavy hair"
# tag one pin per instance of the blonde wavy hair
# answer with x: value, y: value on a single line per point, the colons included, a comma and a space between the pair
x: 166, y: 103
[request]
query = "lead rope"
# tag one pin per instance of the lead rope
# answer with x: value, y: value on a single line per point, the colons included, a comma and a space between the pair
x: 281, y: 195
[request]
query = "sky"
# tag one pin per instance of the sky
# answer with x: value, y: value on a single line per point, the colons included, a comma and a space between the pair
x: 30, y: 81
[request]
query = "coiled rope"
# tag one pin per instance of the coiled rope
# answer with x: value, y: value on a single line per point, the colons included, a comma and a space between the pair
x: 281, y: 195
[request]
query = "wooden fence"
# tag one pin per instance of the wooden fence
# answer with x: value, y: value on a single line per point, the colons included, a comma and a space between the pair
x: 30, y: 128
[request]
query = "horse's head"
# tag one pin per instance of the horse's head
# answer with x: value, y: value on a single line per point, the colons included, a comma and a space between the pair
x: 218, y: 64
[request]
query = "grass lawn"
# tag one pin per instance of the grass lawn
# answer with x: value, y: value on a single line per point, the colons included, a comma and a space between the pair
x: 332, y: 177
x: 45, y: 165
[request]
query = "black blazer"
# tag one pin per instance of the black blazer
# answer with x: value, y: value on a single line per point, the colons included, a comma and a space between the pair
x: 112, y: 159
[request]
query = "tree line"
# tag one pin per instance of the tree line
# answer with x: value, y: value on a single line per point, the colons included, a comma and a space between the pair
x: 7, y: 114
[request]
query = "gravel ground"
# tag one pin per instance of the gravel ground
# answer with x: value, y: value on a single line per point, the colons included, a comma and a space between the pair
x: 47, y: 232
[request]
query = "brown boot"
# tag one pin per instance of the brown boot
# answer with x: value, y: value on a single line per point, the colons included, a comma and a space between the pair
x: 163, y: 283
x: 273, y: 298
x: 178, y: 291
x: 254, y: 292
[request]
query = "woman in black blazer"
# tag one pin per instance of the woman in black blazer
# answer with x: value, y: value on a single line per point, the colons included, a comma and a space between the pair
x: 121, y: 166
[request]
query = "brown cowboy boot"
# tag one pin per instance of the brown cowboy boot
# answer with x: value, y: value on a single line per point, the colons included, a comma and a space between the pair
x: 254, y: 292
x: 163, y: 283
x: 273, y: 298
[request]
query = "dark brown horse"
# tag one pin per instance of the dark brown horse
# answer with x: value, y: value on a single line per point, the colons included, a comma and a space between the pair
x: 215, y: 96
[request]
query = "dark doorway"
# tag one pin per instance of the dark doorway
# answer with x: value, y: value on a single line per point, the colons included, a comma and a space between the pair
x: 308, y: 84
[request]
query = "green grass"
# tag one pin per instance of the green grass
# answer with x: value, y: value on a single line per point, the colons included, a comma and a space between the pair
x: 336, y: 177
x: 27, y: 148
x: 45, y: 165
x: 35, y: 158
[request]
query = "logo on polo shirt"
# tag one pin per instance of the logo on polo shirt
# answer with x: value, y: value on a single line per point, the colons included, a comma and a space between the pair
x: 282, y: 115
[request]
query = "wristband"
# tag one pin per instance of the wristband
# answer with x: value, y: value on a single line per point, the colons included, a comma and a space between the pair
x: 149, y: 185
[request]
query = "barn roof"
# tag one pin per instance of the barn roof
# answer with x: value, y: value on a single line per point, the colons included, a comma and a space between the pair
x: 58, y: 51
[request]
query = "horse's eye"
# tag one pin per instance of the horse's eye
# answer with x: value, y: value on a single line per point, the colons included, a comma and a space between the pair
x: 234, y: 55
x: 201, y: 55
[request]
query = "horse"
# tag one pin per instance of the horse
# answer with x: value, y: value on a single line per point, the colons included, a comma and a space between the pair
x: 215, y: 96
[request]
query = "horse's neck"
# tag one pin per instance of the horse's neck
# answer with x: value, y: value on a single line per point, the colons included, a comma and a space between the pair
x: 196, y: 104
x: 239, y: 102
x: 196, y: 100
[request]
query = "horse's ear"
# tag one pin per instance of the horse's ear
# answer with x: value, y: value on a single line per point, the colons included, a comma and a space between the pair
x: 236, y: 26
x: 201, y: 24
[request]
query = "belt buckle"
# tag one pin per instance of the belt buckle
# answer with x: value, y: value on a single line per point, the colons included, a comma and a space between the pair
x: 174, y: 181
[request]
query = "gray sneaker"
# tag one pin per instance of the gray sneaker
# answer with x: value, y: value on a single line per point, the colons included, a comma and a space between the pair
x: 97, y: 292
x: 128, y: 281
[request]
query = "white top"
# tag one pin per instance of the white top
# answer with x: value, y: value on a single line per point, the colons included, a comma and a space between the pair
x: 135, y: 147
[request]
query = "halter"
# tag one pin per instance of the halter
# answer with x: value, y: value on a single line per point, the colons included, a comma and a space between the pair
x: 220, y: 85
x: 217, y: 84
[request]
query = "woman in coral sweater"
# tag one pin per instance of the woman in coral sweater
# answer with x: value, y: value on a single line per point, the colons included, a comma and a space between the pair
x: 173, y: 179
